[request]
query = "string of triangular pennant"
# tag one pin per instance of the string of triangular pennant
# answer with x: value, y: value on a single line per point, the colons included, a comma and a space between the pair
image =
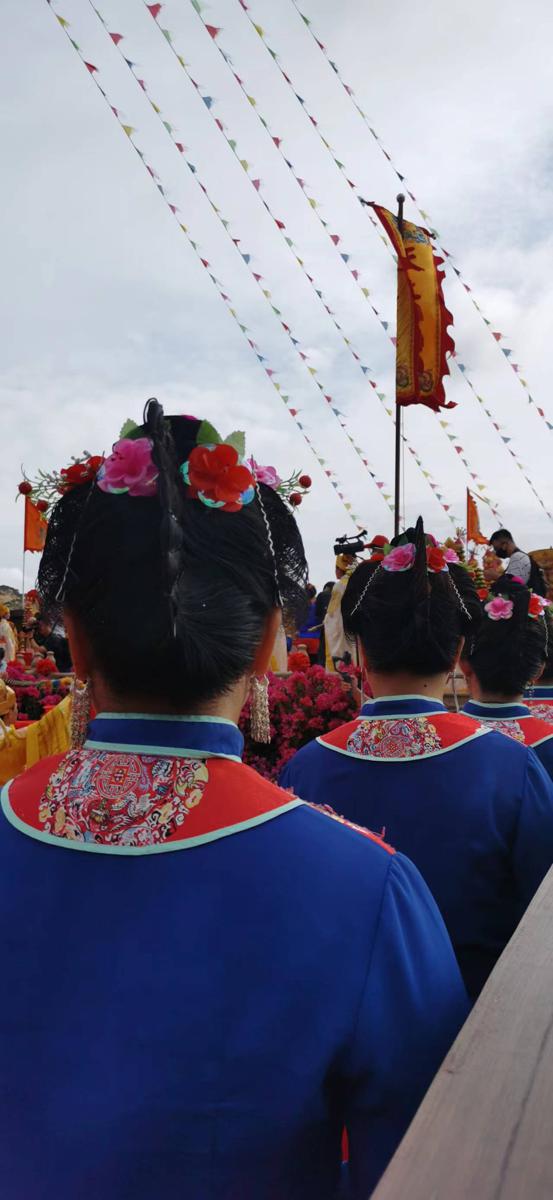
x: 269, y: 372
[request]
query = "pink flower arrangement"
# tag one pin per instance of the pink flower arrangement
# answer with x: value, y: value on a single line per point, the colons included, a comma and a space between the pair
x: 450, y: 555
x: 130, y: 468
x: 267, y: 475
x: 303, y: 706
x: 401, y: 558
x: 499, y: 609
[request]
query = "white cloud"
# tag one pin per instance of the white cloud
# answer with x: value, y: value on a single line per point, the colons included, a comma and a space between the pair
x: 103, y: 302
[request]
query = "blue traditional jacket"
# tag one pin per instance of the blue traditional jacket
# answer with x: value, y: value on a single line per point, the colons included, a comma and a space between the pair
x: 472, y: 809
x: 520, y: 722
x: 204, y: 980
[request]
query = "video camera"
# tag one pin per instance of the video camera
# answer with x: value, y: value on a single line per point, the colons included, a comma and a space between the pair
x: 351, y: 545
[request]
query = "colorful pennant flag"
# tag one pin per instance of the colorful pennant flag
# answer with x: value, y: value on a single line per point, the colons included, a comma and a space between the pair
x: 36, y: 525
x: 498, y: 336
x: 422, y: 317
x: 269, y: 372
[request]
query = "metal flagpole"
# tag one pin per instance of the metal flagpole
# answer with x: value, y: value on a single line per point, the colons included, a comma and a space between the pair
x: 399, y: 413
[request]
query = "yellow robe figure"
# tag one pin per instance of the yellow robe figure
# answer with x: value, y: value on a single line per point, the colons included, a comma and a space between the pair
x: 22, y: 748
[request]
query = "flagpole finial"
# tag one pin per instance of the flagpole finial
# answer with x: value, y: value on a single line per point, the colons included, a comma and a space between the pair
x: 400, y: 202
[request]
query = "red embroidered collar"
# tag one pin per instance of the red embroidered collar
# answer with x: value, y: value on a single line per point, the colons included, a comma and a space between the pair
x: 123, y: 803
x: 403, y: 738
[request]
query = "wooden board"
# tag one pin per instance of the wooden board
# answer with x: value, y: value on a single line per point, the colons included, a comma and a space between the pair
x: 485, y: 1128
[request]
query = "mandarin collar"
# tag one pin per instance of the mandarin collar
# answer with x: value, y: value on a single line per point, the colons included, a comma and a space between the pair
x: 171, y: 736
x: 402, y: 706
x: 540, y: 692
x: 479, y: 708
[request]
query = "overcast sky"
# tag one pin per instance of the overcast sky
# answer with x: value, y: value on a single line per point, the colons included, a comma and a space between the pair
x: 103, y: 302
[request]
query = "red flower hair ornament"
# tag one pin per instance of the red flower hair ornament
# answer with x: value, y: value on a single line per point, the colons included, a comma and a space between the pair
x: 216, y: 476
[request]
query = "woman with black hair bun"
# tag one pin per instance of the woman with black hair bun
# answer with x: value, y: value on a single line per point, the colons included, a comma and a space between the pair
x: 203, y: 978
x: 506, y: 657
x: 539, y: 696
x: 473, y: 810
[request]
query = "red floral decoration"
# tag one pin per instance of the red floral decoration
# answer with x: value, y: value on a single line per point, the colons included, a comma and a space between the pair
x: 483, y: 593
x: 302, y: 706
x: 537, y: 605
x: 79, y: 472
x: 295, y: 499
x: 219, y: 476
x: 298, y: 660
x: 305, y: 481
x: 435, y: 558
x: 25, y: 488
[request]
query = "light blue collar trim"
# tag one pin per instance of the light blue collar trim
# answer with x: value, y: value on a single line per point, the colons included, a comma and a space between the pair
x: 50, y: 839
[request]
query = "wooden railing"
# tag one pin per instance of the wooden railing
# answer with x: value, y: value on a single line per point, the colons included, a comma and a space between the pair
x: 485, y: 1128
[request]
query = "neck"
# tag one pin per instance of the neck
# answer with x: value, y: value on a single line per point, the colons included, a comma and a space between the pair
x: 405, y: 684
x: 484, y: 697
x: 227, y: 706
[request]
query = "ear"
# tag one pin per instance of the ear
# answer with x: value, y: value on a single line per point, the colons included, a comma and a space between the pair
x: 265, y: 648
x: 78, y: 645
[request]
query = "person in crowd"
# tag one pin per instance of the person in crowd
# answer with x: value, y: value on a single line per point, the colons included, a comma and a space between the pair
x: 336, y: 641
x: 308, y: 633
x: 204, y: 979
x: 507, y: 655
x: 471, y: 808
x: 520, y: 565
x: 539, y: 696
x: 377, y: 547
x: 321, y: 606
x: 8, y: 705
x: 52, y: 636
x: 8, y: 634
x: 3, y: 663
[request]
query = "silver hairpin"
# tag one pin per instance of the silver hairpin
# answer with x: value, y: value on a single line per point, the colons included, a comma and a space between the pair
x: 462, y: 604
x: 270, y: 541
x: 365, y: 589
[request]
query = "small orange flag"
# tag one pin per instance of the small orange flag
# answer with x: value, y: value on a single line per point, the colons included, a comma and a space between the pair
x: 35, y: 527
x: 473, y: 522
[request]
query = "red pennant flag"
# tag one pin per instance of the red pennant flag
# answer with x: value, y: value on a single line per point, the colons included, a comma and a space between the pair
x: 294, y: 411
x: 277, y: 142
x: 173, y: 208
x: 280, y: 224
x: 155, y: 10
x: 334, y: 238
x: 36, y: 527
x: 212, y: 31
x: 257, y: 277
x: 219, y: 124
x: 355, y: 274
x: 498, y: 336
x: 269, y: 372
x: 256, y: 184
x: 459, y: 449
x: 116, y: 38
x: 90, y: 67
x: 180, y: 147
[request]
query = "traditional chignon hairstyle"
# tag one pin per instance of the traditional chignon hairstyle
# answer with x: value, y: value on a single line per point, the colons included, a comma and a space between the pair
x: 411, y: 620
x: 506, y: 656
x: 171, y: 595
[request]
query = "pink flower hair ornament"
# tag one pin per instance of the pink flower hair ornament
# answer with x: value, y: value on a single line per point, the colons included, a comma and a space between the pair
x: 499, y: 609
x: 129, y: 468
x: 401, y: 558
